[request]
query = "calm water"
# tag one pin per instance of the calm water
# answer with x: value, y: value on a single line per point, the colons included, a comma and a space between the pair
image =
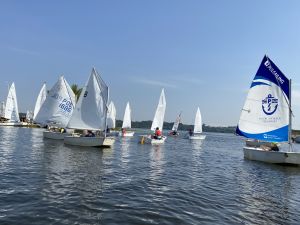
x: 181, y: 182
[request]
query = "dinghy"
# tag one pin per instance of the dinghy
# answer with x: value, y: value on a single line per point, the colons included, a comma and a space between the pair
x: 40, y: 100
x: 111, y: 120
x: 127, y: 123
x: 157, y: 122
x: 197, y: 134
x: 11, y: 112
x: 91, y: 114
x: 56, y: 110
x: 174, y: 131
x: 266, y: 116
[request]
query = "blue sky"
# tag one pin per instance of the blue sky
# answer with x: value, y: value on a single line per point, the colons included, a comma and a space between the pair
x: 204, y: 53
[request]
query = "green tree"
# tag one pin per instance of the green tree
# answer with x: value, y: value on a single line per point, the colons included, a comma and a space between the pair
x: 76, y: 90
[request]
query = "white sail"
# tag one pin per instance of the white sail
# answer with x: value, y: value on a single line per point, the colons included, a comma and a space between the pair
x: 265, y: 115
x: 11, y: 107
x: 58, y: 106
x: 198, y: 122
x: 176, y: 123
x: 29, y: 115
x: 111, y: 115
x: 158, y: 120
x: 2, y: 109
x: 127, y: 117
x: 91, y: 109
x: 40, y: 100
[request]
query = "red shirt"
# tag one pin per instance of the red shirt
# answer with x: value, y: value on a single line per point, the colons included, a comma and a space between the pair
x: 158, y: 133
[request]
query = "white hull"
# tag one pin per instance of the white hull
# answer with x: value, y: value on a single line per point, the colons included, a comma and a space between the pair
x: 127, y: 134
x: 55, y: 135
x: 259, y: 154
x: 197, y: 137
x: 149, y: 140
x: 89, y: 141
x: 297, y: 139
x: 11, y: 124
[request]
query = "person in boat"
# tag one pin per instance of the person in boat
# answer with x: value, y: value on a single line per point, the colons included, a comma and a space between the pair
x: 90, y: 134
x: 123, y: 131
x: 63, y: 130
x: 157, y: 133
x: 191, y: 132
x: 173, y: 132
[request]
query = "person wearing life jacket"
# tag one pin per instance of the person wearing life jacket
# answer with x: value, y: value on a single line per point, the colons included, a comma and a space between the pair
x: 157, y: 134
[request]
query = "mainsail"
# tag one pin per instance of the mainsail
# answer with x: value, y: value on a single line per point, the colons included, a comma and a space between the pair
x: 91, y: 109
x: 40, y: 100
x: 266, y: 113
x: 158, y: 120
x: 11, y: 107
x: 198, y: 122
x: 176, y: 123
x: 58, y: 106
x: 127, y: 117
x: 111, y: 115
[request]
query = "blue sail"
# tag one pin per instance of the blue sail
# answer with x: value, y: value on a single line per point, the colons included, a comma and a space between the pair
x: 265, y: 115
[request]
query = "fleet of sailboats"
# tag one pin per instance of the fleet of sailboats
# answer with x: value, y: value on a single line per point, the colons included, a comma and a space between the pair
x: 265, y: 118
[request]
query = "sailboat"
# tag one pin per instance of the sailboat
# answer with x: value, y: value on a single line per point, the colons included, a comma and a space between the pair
x: 197, y: 134
x: 11, y: 112
x: 111, y: 120
x: 127, y: 123
x: 157, y: 122
x: 40, y: 100
x: 174, y: 131
x: 56, y: 110
x: 266, y: 117
x: 91, y: 114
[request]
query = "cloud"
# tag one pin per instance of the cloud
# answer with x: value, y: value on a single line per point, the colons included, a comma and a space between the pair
x: 155, y: 83
x: 23, y: 51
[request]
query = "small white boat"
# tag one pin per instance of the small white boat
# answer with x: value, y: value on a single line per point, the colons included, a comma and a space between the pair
x: 266, y: 117
x: 197, y: 134
x: 91, y: 114
x: 158, y: 121
x: 174, y: 132
x: 126, y: 123
x: 56, y: 110
x: 11, y: 112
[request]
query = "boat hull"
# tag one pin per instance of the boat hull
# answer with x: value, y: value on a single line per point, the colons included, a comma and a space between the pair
x: 197, y: 137
x: 258, y: 154
x: 89, y: 141
x: 55, y: 135
x: 127, y: 134
x: 148, y: 140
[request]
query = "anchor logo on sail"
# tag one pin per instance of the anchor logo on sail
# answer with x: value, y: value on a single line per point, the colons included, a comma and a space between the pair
x: 269, y: 104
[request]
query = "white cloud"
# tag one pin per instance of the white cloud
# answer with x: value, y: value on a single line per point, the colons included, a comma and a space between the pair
x: 155, y: 83
x: 23, y: 51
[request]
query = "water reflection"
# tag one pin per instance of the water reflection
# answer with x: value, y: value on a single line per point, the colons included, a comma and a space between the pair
x: 125, y: 145
x: 156, y: 161
x: 8, y: 142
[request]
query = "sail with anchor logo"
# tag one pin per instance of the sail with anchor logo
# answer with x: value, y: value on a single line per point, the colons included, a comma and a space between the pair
x: 266, y: 112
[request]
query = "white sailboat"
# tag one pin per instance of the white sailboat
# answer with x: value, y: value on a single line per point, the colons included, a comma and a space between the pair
x: 174, y: 131
x: 11, y: 112
x: 266, y: 117
x: 111, y: 120
x: 197, y: 134
x: 157, y: 122
x: 40, y: 100
x: 91, y: 114
x: 127, y: 123
x: 57, y: 110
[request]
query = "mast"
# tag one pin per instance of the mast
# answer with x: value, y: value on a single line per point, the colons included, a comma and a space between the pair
x: 290, y: 114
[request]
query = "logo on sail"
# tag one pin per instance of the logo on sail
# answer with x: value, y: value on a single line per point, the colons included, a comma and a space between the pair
x: 269, y: 104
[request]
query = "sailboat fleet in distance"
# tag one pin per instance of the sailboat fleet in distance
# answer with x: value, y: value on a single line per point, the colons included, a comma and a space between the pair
x: 265, y: 120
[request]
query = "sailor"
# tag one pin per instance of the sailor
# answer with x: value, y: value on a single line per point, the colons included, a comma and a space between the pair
x: 157, y: 134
